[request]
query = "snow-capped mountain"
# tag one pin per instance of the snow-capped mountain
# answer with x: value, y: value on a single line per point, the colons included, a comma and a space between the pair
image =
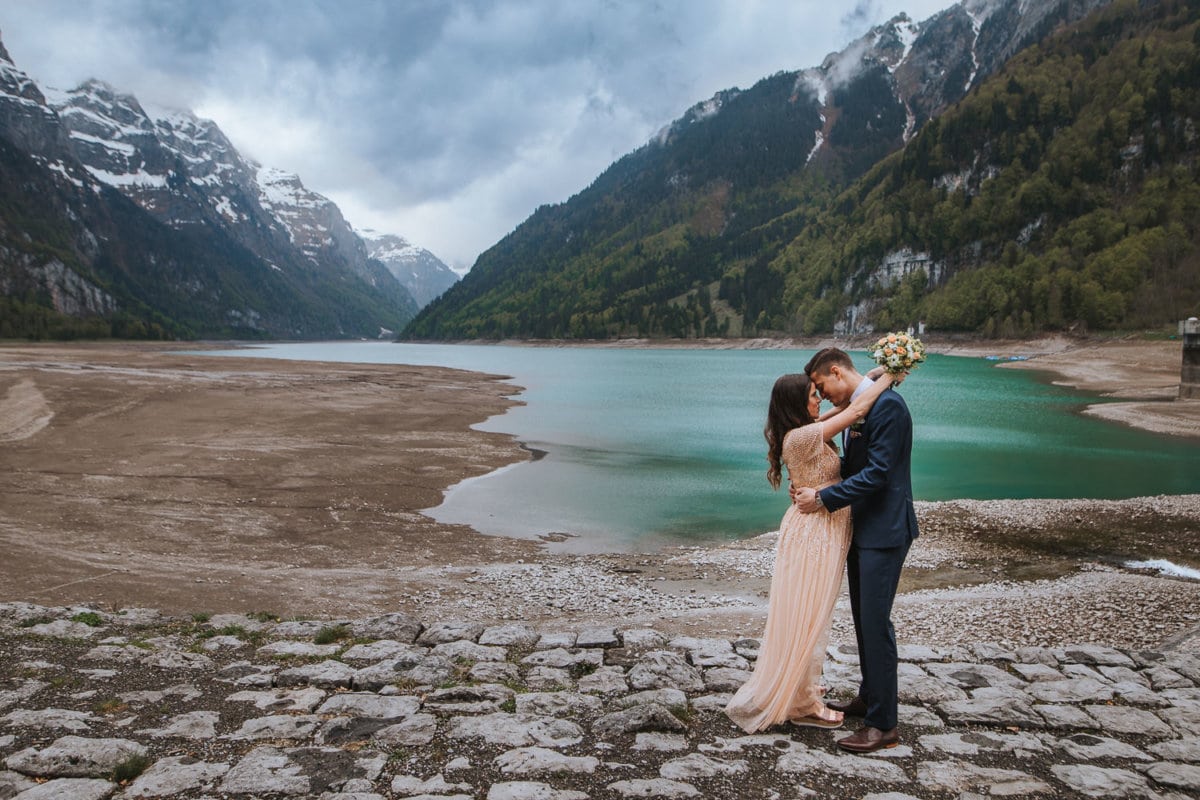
x: 420, y: 271
x: 892, y: 80
x: 252, y: 251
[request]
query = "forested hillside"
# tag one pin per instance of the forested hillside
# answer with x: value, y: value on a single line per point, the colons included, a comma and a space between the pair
x: 1060, y: 193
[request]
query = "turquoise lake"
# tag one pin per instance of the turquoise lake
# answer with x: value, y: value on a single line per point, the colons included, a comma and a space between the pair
x: 652, y: 446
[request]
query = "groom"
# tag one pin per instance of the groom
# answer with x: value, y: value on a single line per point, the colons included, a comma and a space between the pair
x: 877, y: 485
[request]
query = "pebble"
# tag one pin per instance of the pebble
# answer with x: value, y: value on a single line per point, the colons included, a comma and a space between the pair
x: 453, y: 709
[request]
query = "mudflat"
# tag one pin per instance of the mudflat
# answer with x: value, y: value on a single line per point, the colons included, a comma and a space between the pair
x: 134, y: 476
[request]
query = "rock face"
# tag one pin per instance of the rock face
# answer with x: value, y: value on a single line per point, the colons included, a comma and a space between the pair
x: 81, y: 713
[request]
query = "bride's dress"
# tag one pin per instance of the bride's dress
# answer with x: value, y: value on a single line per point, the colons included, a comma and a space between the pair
x: 809, y: 559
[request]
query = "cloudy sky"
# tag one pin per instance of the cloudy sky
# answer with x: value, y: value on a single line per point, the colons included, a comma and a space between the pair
x: 446, y: 121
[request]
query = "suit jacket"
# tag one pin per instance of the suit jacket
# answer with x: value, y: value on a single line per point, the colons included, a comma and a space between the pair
x: 877, y: 477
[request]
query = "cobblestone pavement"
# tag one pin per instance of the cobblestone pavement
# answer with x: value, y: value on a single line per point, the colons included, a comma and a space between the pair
x: 97, y: 705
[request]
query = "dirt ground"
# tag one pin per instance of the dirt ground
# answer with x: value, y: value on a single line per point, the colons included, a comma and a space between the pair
x: 130, y: 476
x: 143, y: 476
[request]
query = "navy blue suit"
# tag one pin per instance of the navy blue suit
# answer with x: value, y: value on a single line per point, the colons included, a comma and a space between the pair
x: 877, y: 485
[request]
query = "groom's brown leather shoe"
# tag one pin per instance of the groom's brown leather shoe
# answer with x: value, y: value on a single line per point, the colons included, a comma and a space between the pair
x: 851, y: 708
x: 868, y: 740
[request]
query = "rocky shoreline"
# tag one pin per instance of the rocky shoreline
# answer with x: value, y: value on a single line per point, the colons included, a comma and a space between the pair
x: 136, y: 704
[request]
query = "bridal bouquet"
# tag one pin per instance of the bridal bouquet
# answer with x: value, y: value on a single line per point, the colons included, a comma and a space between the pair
x: 898, y: 352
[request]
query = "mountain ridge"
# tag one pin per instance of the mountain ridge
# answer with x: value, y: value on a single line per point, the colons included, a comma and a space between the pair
x: 260, y: 261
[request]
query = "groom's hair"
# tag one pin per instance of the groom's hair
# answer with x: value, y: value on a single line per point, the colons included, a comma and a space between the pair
x: 824, y: 359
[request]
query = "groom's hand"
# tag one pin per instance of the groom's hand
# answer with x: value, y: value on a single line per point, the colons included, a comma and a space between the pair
x: 806, y: 500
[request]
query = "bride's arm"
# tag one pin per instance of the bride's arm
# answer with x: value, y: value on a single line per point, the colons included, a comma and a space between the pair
x: 875, y: 374
x: 845, y: 417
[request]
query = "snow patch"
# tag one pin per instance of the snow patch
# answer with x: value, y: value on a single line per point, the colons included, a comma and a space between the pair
x: 108, y: 144
x: 139, y: 178
x: 1164, y: 567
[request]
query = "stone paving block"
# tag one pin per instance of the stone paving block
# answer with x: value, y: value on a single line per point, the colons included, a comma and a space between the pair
x: 1185, y: 777
x: 518, y: 634
x: 556, y: 640
x: 558, y: 704
x: 663, y: 669
x: 1161, y: 678
x: 469, y: 651
x: 50, y: 719
x: 411, y: 785
x: 975, y: 742
x: 548, y: 678
x: 1105, y: 782
x: 804, y: 761
x: 608, y: 680
x: 991, y: 711
x: 662, y: 742
x: 70, y: 788
x: 665, y: 697
x: 305, y: 699
x: 562, y: 658
x: 973, y: 676
x: 961, y: 776
x: 540, y: 760
x: 75, y: 757
x: 174, y: 775
x: 642, y: 639
x: 291, y: 649
x: 723, y: 679
x: 366, y: 704
x: 696, y: 765
x: 1037, y: 672
x: 1065, y: 717
x: 649, y: 717
x: 1177, y: 750
x: 1071, y: 690
x: 384, y: 650
x: 1086, y: 747
x: 278, y: 726
x: 483, y: 699
x: 1094, y: 654
x: 323, y: 675
x: 1123, y: 719
x: 396, y: 626
x: 657, y: 787
x: 190, y: 725
x: 598, y: 637
x: 531, y: 790
x: 517, y: 730
x: 446, y: 632
x: 1185, y: 720
x: 417, y: 730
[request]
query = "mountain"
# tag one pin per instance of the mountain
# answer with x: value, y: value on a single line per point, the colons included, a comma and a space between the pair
x: 682, y: 237
x: 1061, y: 194
x: 117, y: 220
x: 422, y: 273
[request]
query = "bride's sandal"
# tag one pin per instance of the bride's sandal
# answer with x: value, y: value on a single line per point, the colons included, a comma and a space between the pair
x: 826, y: 718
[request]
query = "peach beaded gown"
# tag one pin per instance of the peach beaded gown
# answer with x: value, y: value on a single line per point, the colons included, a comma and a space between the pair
x: 809, y: 559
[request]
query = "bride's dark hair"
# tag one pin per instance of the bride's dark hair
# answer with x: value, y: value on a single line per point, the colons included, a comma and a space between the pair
x: 788, y: 410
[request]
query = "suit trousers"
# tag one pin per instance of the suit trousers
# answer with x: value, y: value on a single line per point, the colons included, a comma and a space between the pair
x: 873, y: 575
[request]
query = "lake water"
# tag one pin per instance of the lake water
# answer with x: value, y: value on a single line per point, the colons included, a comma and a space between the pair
x: 646, y: 447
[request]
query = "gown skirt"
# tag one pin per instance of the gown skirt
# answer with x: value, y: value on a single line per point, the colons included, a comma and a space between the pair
x: 809, y: 559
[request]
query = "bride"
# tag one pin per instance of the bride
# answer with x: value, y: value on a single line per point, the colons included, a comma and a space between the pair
x: 809, y: 559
